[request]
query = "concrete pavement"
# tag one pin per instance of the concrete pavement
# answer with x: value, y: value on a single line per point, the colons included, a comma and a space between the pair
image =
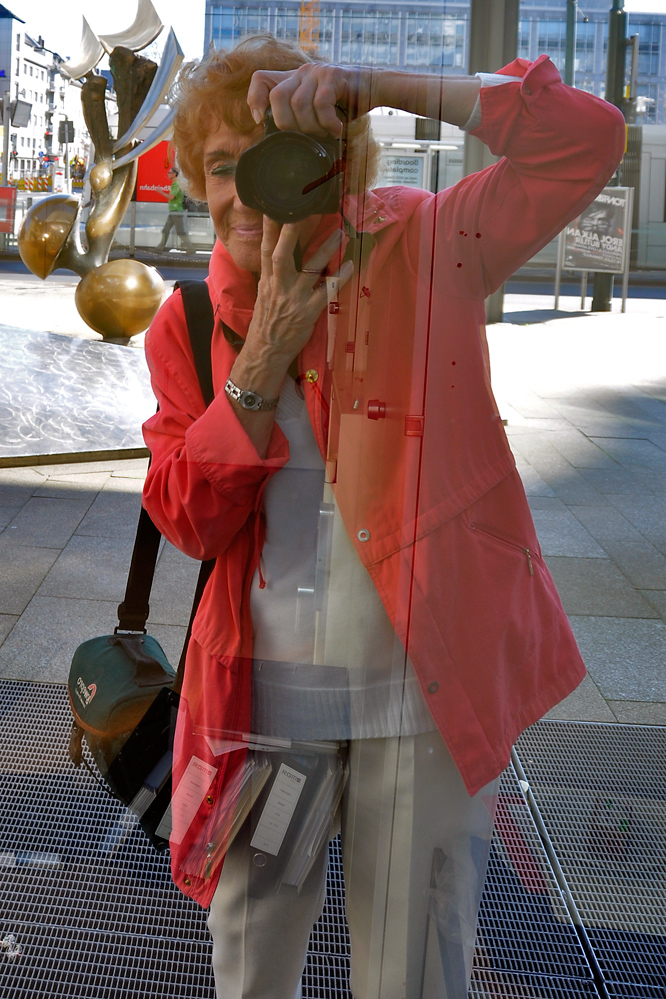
x: 585, y: 401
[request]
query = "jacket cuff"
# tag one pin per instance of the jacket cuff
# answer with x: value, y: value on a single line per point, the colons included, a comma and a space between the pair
x: 501, y: 107
x: 218, y: 442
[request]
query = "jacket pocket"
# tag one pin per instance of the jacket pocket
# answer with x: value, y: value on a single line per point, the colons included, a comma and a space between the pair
x: 496, y: 537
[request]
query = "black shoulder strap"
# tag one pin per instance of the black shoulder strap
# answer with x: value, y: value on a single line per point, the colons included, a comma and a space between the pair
x: 133, y: 611
x: 200, y: 322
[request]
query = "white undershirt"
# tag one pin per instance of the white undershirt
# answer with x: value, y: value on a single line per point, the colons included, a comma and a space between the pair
x: 328, y: 664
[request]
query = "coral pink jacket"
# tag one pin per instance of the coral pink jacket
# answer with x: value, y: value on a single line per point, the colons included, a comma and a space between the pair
x: 406, y: 420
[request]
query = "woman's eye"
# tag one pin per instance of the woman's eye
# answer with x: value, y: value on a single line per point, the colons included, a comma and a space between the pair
x: 223, y: 170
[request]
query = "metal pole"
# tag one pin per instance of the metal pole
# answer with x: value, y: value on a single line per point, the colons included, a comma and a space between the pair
x: 5, y: 154
x: 493, y: 42
x: 570, y: 58
x: 5, y: 139
x: 617, y: 52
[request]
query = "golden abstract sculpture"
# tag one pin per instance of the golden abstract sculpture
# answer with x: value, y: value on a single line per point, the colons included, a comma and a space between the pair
x: 120, y: 298
x: 129, y: 292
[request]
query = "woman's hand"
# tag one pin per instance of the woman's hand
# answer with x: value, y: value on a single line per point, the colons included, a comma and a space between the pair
x: 289, y: 302
x: 305, y: 99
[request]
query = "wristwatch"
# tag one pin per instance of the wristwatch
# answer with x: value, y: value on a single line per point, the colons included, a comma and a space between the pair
x: 248, y: 399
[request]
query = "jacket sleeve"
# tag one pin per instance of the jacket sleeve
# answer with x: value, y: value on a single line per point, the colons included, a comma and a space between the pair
x: 206, y: 477
x: 559, y: 147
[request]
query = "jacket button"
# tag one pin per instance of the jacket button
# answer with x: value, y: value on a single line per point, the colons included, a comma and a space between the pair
x: 188, y: 882
x: 433, y: 687
x: 376, y: 410
x: 311, y: 375
x: 209, y: 799
x: 363, y: 534
x: 382, y: 218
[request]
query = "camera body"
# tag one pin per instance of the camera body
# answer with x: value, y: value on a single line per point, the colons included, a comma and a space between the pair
x: 290, y: 175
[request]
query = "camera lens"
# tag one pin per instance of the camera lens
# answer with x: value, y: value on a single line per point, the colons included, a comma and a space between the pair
x: 273, y: 175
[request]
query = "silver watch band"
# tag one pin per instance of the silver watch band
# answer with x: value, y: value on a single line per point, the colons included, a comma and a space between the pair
x: 248, y: 399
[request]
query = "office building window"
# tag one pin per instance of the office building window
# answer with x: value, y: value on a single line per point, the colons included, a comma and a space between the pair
x: 648, y: 48
x: 223, y: 28
x: 524, y: 32
x: 585, y: 39
x: 435, y: 42
x: 369, y: 38
x: 286, y: 24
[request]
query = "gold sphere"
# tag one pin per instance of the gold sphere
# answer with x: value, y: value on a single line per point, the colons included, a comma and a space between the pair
x: 45, y: 229
x: 120, y: 298
x: 100, y: 176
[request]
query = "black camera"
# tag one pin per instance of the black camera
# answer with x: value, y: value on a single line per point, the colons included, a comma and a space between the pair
x: 290, y: 175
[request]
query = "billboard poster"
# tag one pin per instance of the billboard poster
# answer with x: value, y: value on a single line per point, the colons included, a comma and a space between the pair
x: 402, y: 169
x: 599, y: 239
x: 7, y: 208
x: 59, y: 183
x: 152, y: 181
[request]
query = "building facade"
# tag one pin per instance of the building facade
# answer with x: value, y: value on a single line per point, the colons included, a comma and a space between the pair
x: 30, y: 72
x: 419, y: 36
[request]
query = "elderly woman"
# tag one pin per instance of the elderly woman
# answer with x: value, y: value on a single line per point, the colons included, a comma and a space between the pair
x: 379, y: 606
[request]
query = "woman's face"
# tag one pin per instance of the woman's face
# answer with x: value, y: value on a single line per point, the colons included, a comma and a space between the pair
x: 238, y: 227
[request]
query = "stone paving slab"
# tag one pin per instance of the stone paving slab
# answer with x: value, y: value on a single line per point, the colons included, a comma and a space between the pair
x: 22, y: 569
x: 560, y: 533
x: 586, y: 702
x: 173, y: 588
x: 92, y: 568
x: 638, y: 712
x: 597, y: 587
x: 642, y: 564
x: 46, y: 522
x: 625, y: 658
x: 7, y: 622
x: 115, y: 511
x: 41, y: 644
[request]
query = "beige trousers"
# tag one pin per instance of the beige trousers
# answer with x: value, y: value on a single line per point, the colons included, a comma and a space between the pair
x: 415, y: 849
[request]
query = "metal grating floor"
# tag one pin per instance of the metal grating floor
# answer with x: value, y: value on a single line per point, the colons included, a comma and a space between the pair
x: 92, y: 927
x: 607, y: 823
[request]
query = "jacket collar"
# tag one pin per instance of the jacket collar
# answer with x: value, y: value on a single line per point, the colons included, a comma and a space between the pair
x: 234, y: 289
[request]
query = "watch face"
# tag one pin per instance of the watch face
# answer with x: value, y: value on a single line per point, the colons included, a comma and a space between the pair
x: 249, y: 400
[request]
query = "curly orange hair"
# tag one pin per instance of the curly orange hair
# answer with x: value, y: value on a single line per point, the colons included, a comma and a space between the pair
x: 213, y: 92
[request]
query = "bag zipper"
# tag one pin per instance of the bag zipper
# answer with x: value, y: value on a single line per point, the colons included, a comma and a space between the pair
x: 508, y: 543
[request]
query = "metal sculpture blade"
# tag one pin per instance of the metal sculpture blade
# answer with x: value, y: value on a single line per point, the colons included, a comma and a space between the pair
x: 90, y: 55
x: 172, y: 58
x: 145, y: 29
x: 161, y: 131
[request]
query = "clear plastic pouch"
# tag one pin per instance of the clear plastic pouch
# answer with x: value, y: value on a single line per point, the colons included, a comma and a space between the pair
x: 287, y: 796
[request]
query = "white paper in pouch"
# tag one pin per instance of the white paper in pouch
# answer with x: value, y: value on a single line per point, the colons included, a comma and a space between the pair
x: 189, y: 794
x: 278, y: 810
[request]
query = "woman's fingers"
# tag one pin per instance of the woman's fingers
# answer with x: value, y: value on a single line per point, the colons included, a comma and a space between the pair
x: 269, y: 240
x: 323, y: 256
x: 283, y: 262
x: 258, y: 95
x: 302, y: 100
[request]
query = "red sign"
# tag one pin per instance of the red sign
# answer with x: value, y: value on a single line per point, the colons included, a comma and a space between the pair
x: 152, y: 182
x: 7, y: 208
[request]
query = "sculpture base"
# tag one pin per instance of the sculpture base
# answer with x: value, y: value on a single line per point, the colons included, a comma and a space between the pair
x: 63, y: 399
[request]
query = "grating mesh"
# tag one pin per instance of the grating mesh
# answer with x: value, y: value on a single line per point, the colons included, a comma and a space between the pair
x: 604, y: 806
x: 524, y: 926
x: 91, y: 926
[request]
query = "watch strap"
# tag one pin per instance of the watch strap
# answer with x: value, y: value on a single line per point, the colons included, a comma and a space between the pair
x: 248, y: 399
